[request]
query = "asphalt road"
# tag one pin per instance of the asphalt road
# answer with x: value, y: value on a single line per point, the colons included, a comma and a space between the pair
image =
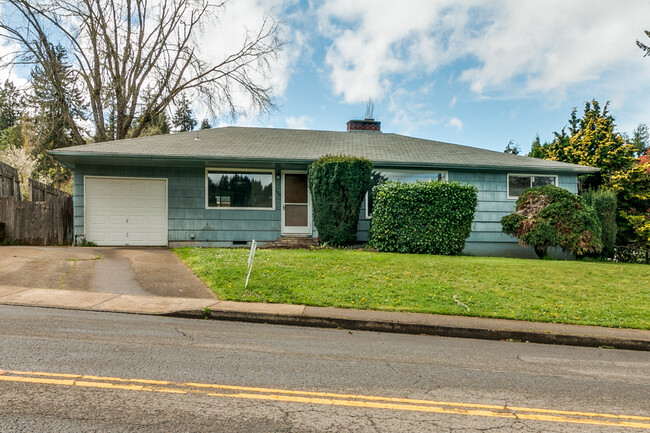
x: 83, y: 371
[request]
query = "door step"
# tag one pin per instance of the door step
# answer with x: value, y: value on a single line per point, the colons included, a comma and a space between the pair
x: 292, y: 242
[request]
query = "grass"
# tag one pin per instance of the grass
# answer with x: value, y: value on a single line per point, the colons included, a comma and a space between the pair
x: 577, y: 292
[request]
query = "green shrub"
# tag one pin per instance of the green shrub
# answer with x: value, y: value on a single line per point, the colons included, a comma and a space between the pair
x: 338, y: 184
x: 549, y: 216
x: 423, y: 217
x: 603, y: 201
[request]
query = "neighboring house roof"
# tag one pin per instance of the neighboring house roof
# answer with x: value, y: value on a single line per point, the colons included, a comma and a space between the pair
x: 304, y: 146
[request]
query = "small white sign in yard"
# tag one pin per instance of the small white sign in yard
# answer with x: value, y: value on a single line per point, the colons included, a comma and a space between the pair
x: 251, y: 257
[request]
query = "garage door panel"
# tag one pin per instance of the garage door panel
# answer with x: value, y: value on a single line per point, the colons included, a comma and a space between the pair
x: 98, y: 220
x: 138, y: 188
x: 116, y: 220
x: 122, y: 211
x: 136, y: 220
x: 155, y: 238
x: 137, y: 237
x: 153, y: 204
x: 116, y: 237
x: 156, y: 188
x: 155, y: 221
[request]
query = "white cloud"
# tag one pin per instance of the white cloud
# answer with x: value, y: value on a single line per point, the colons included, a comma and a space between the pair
x: 504, y: 48
x: 411, y: 112
x: 554, y: 44
x: 373, y: 39
x: 225, y: 35
x: 302, y: 122
x: 452, y: 103
x: 455, y: 122
x: 7, y: 71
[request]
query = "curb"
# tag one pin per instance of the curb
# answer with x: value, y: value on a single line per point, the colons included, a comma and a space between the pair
x: 421, y: 329
x: 328, y: 317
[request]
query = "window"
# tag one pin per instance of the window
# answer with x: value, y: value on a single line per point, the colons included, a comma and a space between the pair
x: 234, y: 189
x: 518, y: 183
x: 379, y: 177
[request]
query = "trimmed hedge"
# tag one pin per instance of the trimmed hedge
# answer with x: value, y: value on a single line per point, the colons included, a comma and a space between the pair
x: 548, y: 216
x: 424, y: 217
x: 603, y: 201
x: 338, y: 184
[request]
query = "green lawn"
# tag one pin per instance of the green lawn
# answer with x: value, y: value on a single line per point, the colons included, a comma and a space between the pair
x: 590, y: 293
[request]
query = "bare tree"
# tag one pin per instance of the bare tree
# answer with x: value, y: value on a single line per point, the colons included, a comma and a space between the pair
x: 123, y: 49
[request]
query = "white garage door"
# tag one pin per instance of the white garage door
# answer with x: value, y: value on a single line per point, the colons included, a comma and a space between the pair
x: 121, y: 211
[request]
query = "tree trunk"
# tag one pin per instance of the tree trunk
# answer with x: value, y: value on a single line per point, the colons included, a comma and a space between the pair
x: 540, y: 251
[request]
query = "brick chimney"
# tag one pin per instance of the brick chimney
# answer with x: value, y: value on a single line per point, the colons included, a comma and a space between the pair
x: 364, y: 125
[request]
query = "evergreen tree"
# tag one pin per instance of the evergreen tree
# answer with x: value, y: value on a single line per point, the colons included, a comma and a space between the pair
x: 10, y: 113
x: 538, y: 149
x: 157, y: 126
x: 55, y: 97
x: 592, y: 140
x: 205, y: 124
x: 10, y: 99
x: 512, y: 148
x: 640, y: 140
x: 119, y: 47
x: 183, y: 118
x: 58, y: 107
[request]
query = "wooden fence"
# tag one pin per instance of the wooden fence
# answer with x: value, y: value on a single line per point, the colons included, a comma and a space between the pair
x: 45, y: 220
x: 9, y: 185
x: 40, y: 192
x: 37, y: 223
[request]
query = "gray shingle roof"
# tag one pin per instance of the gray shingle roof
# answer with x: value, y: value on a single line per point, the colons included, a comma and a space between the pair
x: 275, y: 145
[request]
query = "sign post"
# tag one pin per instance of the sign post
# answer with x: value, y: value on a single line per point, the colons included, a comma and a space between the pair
x: 251, y: 257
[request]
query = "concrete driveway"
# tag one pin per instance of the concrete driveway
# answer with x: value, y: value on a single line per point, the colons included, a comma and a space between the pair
x: 131, y: 271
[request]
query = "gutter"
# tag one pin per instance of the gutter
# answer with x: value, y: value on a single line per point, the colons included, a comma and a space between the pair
x: 205, y: 159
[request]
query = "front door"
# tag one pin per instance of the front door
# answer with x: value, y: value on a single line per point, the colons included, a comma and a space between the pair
x: 296, y: 203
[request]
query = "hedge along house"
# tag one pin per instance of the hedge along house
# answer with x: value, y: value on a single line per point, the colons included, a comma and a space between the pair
x: 227, y: 186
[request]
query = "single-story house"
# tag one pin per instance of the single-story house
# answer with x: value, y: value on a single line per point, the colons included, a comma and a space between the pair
x: 228, y: 186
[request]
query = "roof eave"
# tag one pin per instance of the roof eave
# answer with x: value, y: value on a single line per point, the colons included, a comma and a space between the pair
x: 70, y: 159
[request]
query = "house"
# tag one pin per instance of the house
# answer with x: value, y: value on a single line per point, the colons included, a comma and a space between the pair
x: 227, y: 186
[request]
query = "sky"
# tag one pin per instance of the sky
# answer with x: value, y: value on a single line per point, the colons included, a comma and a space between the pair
x: 479, y: 73
x: 473, y: 72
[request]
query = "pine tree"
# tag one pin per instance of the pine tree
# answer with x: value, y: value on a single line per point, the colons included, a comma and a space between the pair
x: 58, y: 107
x: 640, y: 140
x: 158, y: 126
x: 10, y: 113
x: 205, y: 124
x: 538, y: 150
x: 512, y: 148
x: 56, y: 97
x: 183, y: 118
x: 10, y: 99
x: 592, y: 140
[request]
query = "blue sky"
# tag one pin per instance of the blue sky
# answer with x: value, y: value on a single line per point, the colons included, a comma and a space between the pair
x: 479, y: 73
x: 474, y: 72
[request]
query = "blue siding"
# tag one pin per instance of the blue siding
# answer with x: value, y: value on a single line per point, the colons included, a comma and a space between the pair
x: 186, y: 207
x: 221, y: 227
x: 486, y: 237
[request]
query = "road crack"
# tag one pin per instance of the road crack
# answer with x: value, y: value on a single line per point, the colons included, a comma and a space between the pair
x: 189, y: 337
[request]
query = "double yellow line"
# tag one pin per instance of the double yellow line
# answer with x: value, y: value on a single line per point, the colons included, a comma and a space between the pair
x: 327, y: 398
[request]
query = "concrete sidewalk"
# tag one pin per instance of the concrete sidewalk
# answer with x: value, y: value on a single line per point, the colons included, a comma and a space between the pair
x: 382, y: 321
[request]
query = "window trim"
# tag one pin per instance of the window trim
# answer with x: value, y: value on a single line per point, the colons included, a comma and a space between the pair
x: 240, y: 170
x: 555, y: 176
x: 444, y: 172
